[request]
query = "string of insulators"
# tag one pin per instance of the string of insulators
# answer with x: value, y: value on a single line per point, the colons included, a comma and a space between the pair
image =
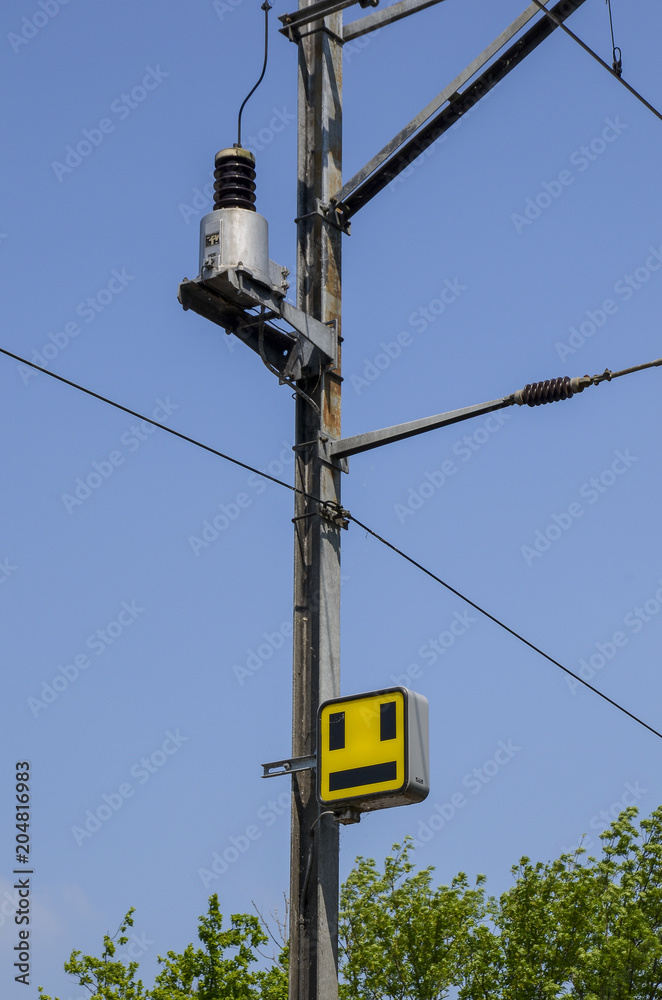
x: 234, y: 179
x: 539, y: 393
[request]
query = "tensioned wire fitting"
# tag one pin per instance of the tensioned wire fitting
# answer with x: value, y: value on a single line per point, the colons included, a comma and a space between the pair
x: 539, y: 393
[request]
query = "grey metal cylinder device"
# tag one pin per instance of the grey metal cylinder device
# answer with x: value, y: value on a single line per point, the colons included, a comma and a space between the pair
x: 235, y: 236
x: 241, y: 290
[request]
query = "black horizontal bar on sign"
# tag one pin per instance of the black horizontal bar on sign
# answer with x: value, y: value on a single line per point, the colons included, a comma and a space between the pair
x: 454, y: 110
x: 370, y: 775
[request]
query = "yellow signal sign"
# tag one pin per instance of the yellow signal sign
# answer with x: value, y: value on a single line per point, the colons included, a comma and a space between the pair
x: 373, y: 750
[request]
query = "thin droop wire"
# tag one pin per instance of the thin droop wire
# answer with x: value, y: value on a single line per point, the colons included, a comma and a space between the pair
x: 266, y: 7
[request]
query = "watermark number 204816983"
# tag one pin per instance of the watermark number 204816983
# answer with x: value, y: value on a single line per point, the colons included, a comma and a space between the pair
x: 25, y: 870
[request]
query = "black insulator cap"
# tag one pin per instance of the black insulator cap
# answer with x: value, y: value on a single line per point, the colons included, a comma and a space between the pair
x: 234, y: 179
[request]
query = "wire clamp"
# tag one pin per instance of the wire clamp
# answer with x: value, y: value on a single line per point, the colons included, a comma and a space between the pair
x: 333, y: 512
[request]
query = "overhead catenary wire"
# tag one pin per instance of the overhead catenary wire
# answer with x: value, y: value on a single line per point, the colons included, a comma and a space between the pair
x: 595, y: 55
x: 350, y: 517
x: 155, y: 423
x: 497, y: 621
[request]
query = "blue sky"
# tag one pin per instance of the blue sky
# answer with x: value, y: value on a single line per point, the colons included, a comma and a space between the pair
x: 177, y: 657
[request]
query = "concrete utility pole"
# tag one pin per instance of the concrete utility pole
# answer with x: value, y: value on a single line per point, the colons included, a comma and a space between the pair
x: 236, y: 279
x: 316, y: 669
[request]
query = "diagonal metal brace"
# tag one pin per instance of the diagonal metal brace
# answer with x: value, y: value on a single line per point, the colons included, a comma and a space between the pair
x: 450, y: 105
x: 345, y: 447
x: 533, y: 394
x: 319, y: 334
x: 388, y: 15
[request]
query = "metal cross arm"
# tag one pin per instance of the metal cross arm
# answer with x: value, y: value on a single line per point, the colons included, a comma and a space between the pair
x: 315, y: 12
x: 387, y: 435
x: 389, y: 15
x: 533, y: 394
x: 432, y: 122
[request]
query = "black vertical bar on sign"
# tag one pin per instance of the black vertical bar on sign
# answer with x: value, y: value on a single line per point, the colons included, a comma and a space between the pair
x: 387, y: 721
x: 337, y: 731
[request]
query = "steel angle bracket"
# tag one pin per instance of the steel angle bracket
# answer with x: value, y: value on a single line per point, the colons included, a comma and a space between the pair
x: 305, y: 350
x: 325, y: 453
x: 292, y: 23
x: 289, y: 766
x: 332, y: 214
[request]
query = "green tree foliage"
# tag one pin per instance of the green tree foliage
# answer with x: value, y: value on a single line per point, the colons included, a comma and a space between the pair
x: 570, y: 929
x: 106, y: 977
x: 576, y: 928
x: 204, y: 973
x: 399, y: 936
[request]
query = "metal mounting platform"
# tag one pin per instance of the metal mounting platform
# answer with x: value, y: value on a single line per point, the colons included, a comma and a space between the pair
x: 305, y: 350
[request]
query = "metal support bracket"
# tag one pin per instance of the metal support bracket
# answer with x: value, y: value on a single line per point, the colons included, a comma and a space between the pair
x: 331, y: 214
x: 348, y: 816
x: 314, y: 12
x: 294, y: 35
x: 342, y: 449
x: 325, y: 453
x: 228, y: 299
x: 289, y: 766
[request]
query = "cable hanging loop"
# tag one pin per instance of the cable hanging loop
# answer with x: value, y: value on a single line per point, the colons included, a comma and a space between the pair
x: 610, y: 69
x: 617, y: 64
x: 266, y: 7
